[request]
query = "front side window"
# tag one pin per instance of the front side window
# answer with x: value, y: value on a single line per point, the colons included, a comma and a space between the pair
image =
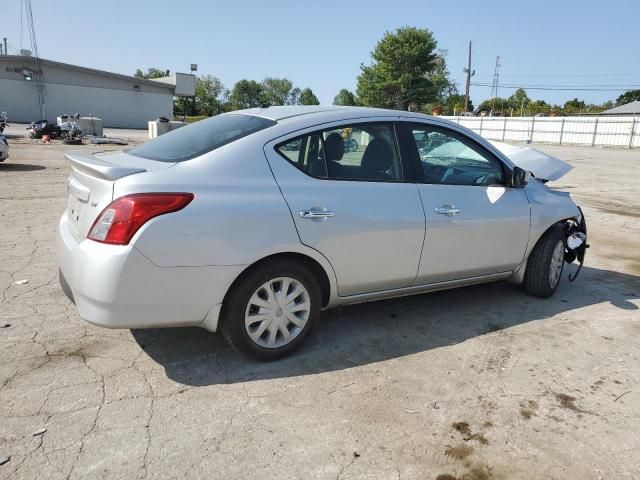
x: 447, y: 159
x: 200, y: 137
x: 364, y: 152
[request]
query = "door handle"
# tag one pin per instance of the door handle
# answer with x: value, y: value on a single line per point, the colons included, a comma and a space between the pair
x: 448, y: 210
x: 315, y: 213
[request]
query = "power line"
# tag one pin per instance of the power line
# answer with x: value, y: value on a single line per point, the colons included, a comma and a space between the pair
x: 563, y: 88
x: 575, y: 75
x: 37, y: 75
x: 21, y: 22
x: 17, y: 52
x: 565, y: 85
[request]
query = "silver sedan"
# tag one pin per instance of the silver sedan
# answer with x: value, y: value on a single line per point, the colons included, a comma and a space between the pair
x: 253, y: 222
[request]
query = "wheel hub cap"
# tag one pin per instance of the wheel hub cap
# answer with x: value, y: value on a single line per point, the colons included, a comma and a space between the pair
x: 277, y: 312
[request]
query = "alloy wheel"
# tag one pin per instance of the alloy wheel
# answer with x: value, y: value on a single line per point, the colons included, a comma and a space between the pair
x: 556, y: 264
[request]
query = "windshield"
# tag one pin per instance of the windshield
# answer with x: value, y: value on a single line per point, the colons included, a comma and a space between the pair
x: 200, y: 137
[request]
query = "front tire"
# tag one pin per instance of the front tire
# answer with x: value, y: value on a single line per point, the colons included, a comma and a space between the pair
x: 271, y: 310
x: 546, y: 263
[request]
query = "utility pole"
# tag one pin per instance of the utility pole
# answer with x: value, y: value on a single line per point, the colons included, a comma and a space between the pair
x: 494, y: 85
x: 469, y: 75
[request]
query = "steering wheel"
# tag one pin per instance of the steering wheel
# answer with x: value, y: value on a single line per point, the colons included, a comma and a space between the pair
x: 488, y: 179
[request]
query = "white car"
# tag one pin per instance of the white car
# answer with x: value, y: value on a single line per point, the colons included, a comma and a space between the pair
x: 253, y: 222
x: 4, y: 148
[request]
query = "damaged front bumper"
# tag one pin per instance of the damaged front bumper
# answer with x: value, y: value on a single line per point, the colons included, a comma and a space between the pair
x: 576, y: 242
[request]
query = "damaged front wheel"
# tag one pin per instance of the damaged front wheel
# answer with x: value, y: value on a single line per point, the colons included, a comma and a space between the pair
x: 546, y: 263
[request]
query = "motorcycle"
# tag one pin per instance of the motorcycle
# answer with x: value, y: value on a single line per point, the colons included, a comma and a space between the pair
x: 42, y: 127
x: 3, y: 121
x: 4, y: 149
x: 69, y: 130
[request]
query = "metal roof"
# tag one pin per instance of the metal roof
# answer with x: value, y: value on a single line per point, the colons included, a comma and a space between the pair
x: 631, y: 108
x: 43, y: 61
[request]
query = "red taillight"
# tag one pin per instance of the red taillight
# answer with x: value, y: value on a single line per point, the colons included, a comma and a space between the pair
x: 123, y: 217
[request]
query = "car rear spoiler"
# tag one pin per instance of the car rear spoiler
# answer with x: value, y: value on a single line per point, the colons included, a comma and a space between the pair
x: 100, y: 168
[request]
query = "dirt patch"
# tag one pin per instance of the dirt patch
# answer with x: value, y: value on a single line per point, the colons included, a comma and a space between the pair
x: 622, y: 210
x: 462, y: 427
x: 477, y: 473
x: 568, y: 402
x: 528, y: 409
x: 465, y: 430
x: 478, y: 437
x: 81, y: 348
x: 474, y: 472
x: 459, y: 452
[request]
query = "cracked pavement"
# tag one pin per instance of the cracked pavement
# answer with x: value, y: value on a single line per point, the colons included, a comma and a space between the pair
x: 477, y: 383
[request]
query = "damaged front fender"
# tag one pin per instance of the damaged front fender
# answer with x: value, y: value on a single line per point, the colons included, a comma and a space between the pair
x: 548, y: 207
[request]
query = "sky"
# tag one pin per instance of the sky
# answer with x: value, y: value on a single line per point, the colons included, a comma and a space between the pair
x: 321, y: 45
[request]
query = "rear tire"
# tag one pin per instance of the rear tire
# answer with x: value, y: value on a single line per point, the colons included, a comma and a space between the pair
x: 546, y: 263
x: 271, y: 310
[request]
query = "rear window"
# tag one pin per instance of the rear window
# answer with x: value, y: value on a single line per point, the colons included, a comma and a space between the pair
x: 200, y: 137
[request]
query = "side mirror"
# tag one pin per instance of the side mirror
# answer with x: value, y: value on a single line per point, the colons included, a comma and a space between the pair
x: 520, y: 177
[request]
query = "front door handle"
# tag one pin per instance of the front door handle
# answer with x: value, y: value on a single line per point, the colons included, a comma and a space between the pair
x: 316, y: 213
x: 448, y: 210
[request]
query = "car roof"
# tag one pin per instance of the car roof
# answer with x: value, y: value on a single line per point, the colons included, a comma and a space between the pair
x: 321, y: 113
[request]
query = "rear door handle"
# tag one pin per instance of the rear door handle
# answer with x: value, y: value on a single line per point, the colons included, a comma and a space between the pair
x: 448, y: 210
x: 315, y: 213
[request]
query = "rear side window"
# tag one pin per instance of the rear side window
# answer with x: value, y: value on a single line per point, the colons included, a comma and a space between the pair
x: 358, y: 152
x: 201, y: 137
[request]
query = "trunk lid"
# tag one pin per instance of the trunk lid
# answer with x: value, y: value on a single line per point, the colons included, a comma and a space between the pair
x: 91, y: 182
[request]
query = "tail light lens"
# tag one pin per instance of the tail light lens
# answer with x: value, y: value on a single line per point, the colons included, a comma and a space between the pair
x: 123, y: 217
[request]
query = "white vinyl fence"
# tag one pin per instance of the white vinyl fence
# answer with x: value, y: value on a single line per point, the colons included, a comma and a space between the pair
x: 594, y: 131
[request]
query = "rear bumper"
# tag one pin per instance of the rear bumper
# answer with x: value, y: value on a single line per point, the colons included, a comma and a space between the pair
x: 118, y: 287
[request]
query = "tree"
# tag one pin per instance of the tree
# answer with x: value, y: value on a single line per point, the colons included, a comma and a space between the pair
x: 345, y: 98
x: 606, y: 105
x: 280, y: 91
x: 247, y: 94
x: 307, y: 97
x: 494, y: 105
x: 454, y: 104
x: 519, y: 101
x: 574, y: 106
x: 151, y: 73
x: 627, y: 97
x: 538, y: 106
x: 439, y: 76
x: 210, y: 95
x: 398, y: 77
